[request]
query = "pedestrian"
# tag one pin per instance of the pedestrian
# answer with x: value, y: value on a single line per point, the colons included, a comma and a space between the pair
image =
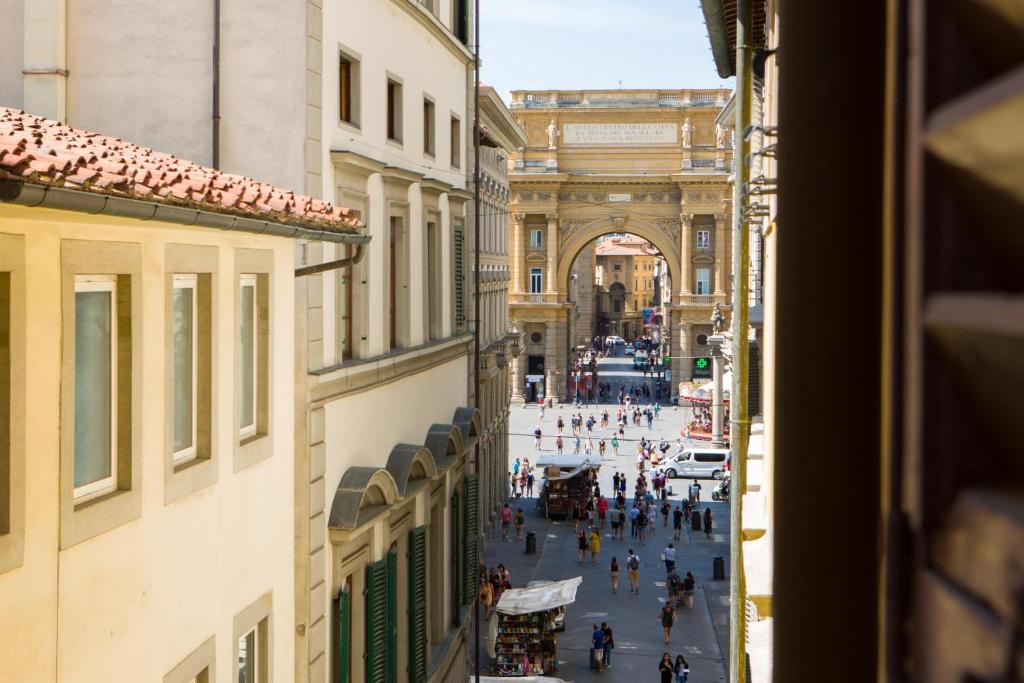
x: 486, y: 597
x: 677, y: 523
x: 529, y: 484
x: 542, y: 413
x: 641, y: 526
x: 622, y: 523
x: 597, y: 640
x: 514, y: 481
x: 615, y: 445
x: 522, y: 482
x: 615, y: 482
x: 601, y: 447
x: 667, y: 669
x: 695, y: 493
x: 707, y: 522
x: 669, y: 556
x: 515, y: 466
x: 613, y: 571
x: 667, y: 616
x: 576, y: 445
x: 609, y: 643
x: 687, y: 509
x: 506, y: 521
x: 682, y: 669
x: 665, y: 509
x: 602, y: 510
x: 582, y: 544
x: 536, y: 438
x: 633, y: 571
x: 520, y: 521
x: 689, y: 585
x: 633, y: 514
x: 558, y: 443
x: 595, y: 545
x: 560, y: 424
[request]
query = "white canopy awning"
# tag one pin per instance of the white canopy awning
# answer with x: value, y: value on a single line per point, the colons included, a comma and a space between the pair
x: 539, y: 598
x: 518, y: 679
x: 565, y: 462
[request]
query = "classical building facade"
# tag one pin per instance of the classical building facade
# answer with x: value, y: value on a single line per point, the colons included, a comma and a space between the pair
x: 652, y: 163
x: 306, y: 94
x: 625, y: 278
x: 500, y: 137
x: 147, y: 368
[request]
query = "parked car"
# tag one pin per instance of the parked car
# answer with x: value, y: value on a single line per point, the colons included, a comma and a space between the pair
x: 696, y: 463
x: 629, y: 349
x: 640, y: 359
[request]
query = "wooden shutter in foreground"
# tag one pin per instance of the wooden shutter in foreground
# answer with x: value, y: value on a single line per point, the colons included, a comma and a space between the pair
x: 418, y: 605
x: 392, y: 617
x: 343, y: 636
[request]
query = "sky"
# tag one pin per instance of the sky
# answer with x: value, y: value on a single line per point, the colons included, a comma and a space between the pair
x: 581, y: 44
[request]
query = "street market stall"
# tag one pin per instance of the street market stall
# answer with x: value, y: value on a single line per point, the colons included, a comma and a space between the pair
x: 522, y: 637
x: 567, y: 480
x: 699, y: 398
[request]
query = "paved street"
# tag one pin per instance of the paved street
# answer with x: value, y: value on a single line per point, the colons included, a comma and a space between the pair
x: 701, y: 635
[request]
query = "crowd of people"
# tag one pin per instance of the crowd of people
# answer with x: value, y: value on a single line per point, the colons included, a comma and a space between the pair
x: 521, y: 478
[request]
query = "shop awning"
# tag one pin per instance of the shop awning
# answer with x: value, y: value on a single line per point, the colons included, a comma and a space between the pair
x: 565, y: 462
x: 539, y: 598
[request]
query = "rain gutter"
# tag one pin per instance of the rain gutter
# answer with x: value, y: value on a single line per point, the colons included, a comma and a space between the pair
x: 714, y: 17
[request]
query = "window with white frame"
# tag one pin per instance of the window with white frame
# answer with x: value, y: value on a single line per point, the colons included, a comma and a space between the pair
x: 95, y: 444
x: 249, y: 339
x: 536, y: 239
x: 536, y: 282
x: 249, y: 658
x: 185, y: 365
x: 703, y: 239
x: 703, y: 283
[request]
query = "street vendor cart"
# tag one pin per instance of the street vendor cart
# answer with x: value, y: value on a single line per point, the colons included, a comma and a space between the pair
x: 567, y: 480
x: 522, y: 637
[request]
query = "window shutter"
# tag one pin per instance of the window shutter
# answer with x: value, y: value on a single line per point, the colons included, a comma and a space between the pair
x: 470, y: 539
x: 344, y: 636
x: 458, y: 267
x: 376, y: 653
x: 418, y: 605
x: 392, y: 617
x: 456, y: 554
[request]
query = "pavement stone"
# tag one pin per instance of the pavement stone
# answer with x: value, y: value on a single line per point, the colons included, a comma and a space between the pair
x: 700, y: 634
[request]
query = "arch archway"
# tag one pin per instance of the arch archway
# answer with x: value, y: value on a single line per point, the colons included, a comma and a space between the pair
x: 583, y: 235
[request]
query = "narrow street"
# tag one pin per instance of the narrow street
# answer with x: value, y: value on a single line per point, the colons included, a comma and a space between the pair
x: 701, y: 635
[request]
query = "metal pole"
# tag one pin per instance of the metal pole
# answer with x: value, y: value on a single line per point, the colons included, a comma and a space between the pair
x: 476, y: 292
x: 739, y: 420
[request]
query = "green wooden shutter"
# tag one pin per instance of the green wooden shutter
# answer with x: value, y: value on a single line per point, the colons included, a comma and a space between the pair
x: 344, y: 636
x: 459, y: 275
x: 376, y: 653
x: 392, y: 605
x: 470, y: 538
x: 418, y: 605
x: 456, y: 555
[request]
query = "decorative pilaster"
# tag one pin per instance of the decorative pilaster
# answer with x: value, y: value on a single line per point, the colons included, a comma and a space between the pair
x: 686, y: 255
x: 552, y: 241
x: 518, y: 251
x: 720, y: 252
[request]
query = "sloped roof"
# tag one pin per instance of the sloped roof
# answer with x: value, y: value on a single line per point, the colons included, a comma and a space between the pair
x: 37, y: 150
x: 617, y: 246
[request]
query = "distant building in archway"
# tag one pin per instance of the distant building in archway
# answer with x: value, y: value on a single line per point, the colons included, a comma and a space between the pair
x: 650, y: 163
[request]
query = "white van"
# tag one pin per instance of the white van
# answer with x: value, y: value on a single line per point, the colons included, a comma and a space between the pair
x: 697, y: 463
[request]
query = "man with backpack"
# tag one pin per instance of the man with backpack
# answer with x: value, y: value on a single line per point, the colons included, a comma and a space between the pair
x: 633, y: 571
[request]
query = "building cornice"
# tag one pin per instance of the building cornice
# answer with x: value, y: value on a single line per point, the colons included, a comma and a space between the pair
x: 430, y: 22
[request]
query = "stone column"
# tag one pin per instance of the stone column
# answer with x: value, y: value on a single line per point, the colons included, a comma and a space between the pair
x: 720, y: 252
x: 686, y: 255
x: 550, y: 362
x: 717, y: 404
x: 518, y: 221
x: 552, y: 240
x: 518, y: 377
x: 684, y: 331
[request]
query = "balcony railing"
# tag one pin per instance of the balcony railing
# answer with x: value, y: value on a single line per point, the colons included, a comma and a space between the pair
x: 698, y: 299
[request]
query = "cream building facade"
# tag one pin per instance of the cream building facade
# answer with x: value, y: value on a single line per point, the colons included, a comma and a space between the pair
x: 500, y: 136
x: 310, y: 96
x: 652, y: 163
x: 146, y: 411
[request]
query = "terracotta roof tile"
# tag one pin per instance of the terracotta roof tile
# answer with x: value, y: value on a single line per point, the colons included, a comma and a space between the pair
x: 39, y: 150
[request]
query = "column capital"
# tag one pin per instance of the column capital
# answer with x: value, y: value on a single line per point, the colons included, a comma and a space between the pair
x: 517, y: 217
x: 552, y: 217
x: 686, y: 219
x: 721, y: 217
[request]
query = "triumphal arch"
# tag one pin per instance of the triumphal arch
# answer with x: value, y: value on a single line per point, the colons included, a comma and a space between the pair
x: 653, y: 163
